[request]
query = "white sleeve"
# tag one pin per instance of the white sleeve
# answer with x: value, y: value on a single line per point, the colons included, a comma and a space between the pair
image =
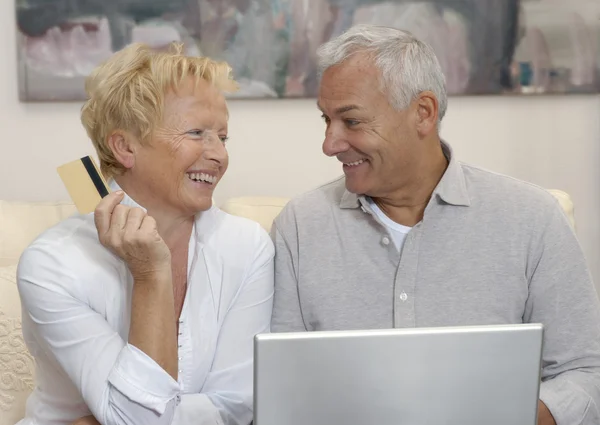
x: 120, y: 384
x: 226, y: 397
x: 197, y: 409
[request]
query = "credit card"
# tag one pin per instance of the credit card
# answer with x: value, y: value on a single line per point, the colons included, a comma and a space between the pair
x: 84, y: 182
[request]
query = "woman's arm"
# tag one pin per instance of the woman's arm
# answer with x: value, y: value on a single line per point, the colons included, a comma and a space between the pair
x: 122, y: 382
x: 133, y: 236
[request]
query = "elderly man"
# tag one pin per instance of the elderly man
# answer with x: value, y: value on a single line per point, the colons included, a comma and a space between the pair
x: 410, y: 236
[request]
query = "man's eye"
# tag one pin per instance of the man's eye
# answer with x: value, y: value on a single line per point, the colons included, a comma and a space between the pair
x: 224, y: 139
x: 351, y: 123
x: 325, y: 118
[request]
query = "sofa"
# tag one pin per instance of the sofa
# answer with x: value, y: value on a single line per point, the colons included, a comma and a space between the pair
x: 20, y: 223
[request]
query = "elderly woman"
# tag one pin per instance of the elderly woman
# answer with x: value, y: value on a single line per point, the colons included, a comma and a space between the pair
x: 144, y: 312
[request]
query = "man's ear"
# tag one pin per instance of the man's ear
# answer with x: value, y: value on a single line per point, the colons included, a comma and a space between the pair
x: 122, y: 144
x: 427, y: 113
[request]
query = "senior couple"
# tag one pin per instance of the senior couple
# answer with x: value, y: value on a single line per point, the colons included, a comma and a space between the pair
x: 144, y: 312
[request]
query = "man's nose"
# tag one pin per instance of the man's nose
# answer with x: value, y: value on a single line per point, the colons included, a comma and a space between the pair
x: 334, y: 143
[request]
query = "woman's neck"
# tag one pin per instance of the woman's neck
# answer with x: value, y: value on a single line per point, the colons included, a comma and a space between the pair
x: 175, y: 231
x: 175, y: 227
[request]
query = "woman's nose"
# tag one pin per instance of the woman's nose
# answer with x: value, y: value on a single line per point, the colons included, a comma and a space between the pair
x: 216, y: 152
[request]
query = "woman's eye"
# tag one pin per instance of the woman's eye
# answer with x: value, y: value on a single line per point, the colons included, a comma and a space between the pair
x: 196, y: 132
x: 224, y: 139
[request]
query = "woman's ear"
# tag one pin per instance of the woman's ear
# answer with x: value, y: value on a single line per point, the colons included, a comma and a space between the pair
x: 122, y: 145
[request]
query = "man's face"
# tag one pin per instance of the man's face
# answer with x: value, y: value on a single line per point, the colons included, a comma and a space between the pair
x: 376, y: 143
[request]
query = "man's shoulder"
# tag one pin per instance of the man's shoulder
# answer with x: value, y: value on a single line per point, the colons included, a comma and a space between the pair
x: 492, y: 187
x: 324, y: 196
x: 314, y: 202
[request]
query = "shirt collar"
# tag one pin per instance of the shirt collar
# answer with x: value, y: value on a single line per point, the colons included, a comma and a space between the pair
x: 452, y: 187
x: 127, y: 200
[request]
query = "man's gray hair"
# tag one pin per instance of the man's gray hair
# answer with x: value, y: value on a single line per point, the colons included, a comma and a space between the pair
x: 408, y: 65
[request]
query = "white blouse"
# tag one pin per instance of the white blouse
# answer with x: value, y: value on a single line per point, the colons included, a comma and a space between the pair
x: 76, y: 298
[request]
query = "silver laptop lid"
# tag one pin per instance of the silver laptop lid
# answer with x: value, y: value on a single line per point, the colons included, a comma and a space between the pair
x: 441, y: 376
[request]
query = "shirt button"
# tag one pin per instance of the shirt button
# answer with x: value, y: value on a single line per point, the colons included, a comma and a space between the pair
x: 385, y: 240
x: 403, y: 296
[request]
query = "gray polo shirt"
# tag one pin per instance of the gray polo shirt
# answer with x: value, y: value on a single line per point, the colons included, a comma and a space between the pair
x: 489, y: 250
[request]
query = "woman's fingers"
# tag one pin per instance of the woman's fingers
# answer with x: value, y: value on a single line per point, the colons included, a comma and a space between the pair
x: 134, y: 219
x: 118, y: 218
x: 148, y: 225
x: 104, y: 210
x: 132, y: 235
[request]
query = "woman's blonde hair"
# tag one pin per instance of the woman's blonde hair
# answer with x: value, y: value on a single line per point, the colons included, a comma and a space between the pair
x: 127, y: 92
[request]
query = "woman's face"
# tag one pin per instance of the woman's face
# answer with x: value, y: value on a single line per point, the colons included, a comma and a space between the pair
x: 186, y: 157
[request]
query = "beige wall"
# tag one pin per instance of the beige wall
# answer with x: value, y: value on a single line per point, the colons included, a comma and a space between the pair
x: 275, y: 145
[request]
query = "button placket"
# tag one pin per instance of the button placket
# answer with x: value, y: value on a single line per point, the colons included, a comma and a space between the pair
x: 180, y: 357
x: 179, y: 341
x: 405, y: 282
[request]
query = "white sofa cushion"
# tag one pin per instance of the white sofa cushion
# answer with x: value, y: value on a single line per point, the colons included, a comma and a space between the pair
x: 566, y: 203
x: 261, y: 209
x: 16, y: 364
x: 22, y: 222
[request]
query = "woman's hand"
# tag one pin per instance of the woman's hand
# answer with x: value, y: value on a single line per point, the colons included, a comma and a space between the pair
x: 132, y: 235
x: 88, y: 420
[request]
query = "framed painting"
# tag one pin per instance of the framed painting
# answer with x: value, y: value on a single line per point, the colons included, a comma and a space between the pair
x: 486, y: 47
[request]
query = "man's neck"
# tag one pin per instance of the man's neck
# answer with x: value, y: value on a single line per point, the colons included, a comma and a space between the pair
x: 407, y: 205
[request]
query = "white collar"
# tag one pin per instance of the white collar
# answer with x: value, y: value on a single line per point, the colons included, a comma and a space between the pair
x: 127, y: 200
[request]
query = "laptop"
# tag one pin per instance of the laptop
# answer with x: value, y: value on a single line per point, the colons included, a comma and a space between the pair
x: 470, y: 375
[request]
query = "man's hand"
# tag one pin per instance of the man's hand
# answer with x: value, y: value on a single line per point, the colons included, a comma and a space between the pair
x: 87, y: 420
x: 544, y: 415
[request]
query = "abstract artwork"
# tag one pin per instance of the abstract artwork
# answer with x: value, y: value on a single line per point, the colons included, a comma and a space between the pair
x: 484, y: 46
